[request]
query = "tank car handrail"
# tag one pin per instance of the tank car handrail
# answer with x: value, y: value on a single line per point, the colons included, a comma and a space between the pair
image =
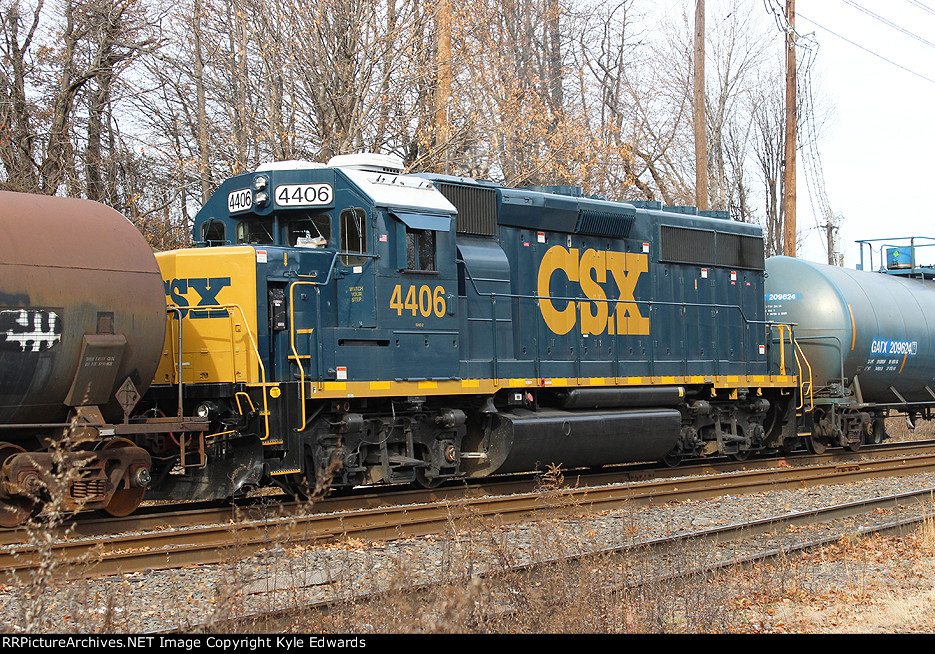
x: 840, y: 348
x: 802, y: 382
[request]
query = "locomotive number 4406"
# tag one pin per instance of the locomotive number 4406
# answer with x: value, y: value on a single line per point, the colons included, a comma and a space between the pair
x: 304, y: 195
x: 423, y: 299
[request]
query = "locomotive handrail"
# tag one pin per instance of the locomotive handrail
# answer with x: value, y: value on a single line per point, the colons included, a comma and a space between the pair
x: 650, y: 304
x: 292, y: 333
x: 579, y: 298
x: 178, y: 370
x: 782, y: 344
x: 229, y: 308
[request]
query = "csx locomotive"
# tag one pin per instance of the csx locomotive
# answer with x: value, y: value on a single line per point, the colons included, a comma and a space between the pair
x: 349, y: 324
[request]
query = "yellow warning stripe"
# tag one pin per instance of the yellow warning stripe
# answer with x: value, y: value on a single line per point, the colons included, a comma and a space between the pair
x: 385, y: 388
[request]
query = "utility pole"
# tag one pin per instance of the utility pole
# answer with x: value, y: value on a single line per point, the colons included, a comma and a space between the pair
x: 443, y: 79
x: 831, y: 234
x: 788, y: 178
x: 701, y: 139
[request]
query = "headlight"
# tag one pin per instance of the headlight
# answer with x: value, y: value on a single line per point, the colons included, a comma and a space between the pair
x: 206, y: 410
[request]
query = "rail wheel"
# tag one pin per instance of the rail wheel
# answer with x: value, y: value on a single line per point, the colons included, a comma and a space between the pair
x: 816, y: 444
x: 674, y: 457
x: 878, y: 432
x: 125, y: 500
x: 740, y: 455
x: 14, y: 511
x: 425, y: 482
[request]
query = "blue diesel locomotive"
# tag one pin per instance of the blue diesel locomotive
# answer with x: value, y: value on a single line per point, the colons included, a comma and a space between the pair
x: 350, y: 324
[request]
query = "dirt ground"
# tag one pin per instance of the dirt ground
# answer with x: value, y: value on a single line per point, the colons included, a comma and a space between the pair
x: 881, y: 584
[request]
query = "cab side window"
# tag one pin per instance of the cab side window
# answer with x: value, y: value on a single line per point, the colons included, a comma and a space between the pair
x: 213, y: 233
x: 420, y: 249
x: 353, y: 226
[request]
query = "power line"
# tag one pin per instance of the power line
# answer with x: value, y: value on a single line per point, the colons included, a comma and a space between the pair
x: 922, y: 6
x: 890, y: 23
x: 867, y: 50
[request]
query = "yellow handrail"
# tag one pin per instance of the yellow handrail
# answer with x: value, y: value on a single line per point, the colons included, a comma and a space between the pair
x: 295, y: 352
x: 802, y: 382
x: 229, y: 308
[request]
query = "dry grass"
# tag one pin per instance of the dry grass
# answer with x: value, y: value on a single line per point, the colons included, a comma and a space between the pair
x: 900, y: 428
x: 878, y: 584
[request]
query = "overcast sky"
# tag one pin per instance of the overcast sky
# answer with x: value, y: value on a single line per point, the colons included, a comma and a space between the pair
x: 876, y: 64
x: 874, y: 71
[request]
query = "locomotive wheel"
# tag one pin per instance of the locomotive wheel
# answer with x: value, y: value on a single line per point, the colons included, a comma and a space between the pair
x: 674, y: 457
x: 741, y: 455
x: 425, y: 482
x: 853, y: 447
x: 816, y: 444
x: 125, y: 500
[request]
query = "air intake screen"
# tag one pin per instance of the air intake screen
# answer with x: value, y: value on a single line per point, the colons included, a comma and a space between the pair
x: 604, y: 223
x: 477, y: 208
x: 687, y: 245
x: 708, y: 248
x: 737, y: 251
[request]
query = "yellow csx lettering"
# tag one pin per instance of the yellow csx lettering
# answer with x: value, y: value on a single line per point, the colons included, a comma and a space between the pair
x: 590, y: 271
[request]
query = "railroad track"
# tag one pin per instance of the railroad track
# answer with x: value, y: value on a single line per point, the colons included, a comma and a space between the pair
x: 93, y: 548
x: 737, y: 544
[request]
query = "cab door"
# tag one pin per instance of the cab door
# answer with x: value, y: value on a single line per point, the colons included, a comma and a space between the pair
x: 354, y: 271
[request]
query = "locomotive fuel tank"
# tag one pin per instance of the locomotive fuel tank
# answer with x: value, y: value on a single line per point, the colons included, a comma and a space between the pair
x: 82, y: 308
x: 852, y: 325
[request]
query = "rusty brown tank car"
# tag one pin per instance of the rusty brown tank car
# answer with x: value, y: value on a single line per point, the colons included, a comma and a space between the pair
x: 63, y: 355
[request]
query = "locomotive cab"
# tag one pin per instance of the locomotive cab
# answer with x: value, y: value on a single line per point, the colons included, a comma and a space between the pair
x: 312, y: 284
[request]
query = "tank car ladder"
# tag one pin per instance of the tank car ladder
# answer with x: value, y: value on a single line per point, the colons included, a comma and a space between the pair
x: 803, y: 371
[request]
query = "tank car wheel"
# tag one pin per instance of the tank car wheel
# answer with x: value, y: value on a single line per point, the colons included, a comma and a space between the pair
x: 816, y: 444
x: 877, y: 433
x: 14, y: 511
x: 125, y: 500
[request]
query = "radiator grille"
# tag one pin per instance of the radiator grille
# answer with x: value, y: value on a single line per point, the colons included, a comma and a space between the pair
x: 604, y: 223
x: 707, y: 248
x: 477, y: 208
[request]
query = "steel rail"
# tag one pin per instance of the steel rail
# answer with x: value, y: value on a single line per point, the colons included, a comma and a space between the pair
x: 157, y: 517
x: 172, y: 547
